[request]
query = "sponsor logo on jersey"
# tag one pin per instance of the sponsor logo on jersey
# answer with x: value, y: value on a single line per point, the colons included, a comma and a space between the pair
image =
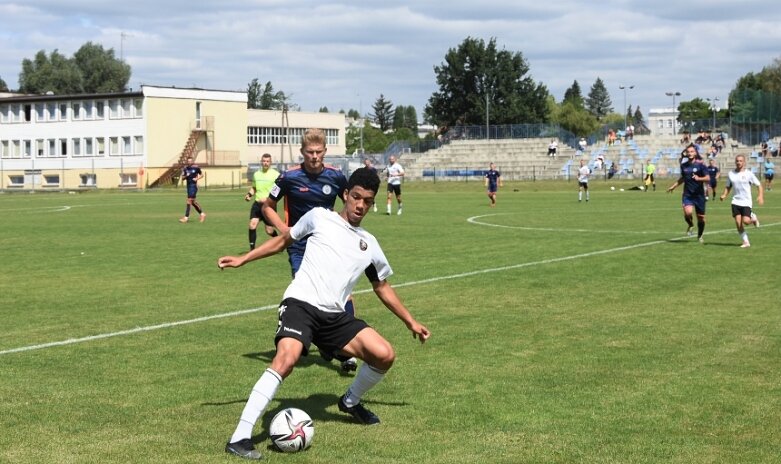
x: 326, y: 189
x: 363, y: 245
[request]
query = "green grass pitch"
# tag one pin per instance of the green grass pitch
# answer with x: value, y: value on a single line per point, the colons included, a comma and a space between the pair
x: 563, y: 332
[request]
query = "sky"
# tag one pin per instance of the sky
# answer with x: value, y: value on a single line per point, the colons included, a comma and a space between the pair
x: 344, y: 55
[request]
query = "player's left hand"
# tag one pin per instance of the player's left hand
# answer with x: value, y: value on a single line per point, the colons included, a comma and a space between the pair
x: 420, y: 332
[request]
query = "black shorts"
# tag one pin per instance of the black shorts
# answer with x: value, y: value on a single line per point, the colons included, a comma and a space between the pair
x: 583, y: 185
x: 769, y: 176
x: 330, y: 332
x: 256, y: 212
x: 396, y: 189
x: 744, y: 211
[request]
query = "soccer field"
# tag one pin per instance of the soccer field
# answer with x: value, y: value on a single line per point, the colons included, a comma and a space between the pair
x: 563, y: 332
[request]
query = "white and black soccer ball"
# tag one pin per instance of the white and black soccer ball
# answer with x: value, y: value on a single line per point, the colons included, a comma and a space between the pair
x: 292, y: 430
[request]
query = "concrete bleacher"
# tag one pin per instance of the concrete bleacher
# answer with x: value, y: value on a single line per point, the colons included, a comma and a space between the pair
x: 527, y: 159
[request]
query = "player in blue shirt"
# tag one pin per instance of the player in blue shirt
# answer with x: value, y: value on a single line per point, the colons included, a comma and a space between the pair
x: 713, y: 177
x: 693, y: 174
x: 493, y: 180
x: 191, y: 174
x: 769, y: 174
x: 304, y: 187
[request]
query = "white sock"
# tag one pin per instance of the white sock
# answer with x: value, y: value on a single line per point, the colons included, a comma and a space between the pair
x: 367, y: 378
x: 389, y: 207
x: 262, y: 393
x: 744, y: 236
x: 399, y: 205
x: 580, y: 196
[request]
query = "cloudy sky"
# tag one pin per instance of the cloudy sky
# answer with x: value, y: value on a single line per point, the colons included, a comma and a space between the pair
x: 343, y: 55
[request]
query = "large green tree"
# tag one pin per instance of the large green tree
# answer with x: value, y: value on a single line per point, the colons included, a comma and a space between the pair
x: 598, y: 102
x: 477, y: 79
x: 101, y: 71
x: 50, y: 73
x: 573, y: 117
x: 383, y: 113
x: 693, y: 110
x: 264, y: 97
x: 3, y: 85
x: 757, y: 96
x: 574, y: 95
x: 405, y: 117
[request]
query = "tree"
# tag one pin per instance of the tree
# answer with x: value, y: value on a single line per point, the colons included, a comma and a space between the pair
x: 638, y: 118
x: 353, y: 114
x: 405, y: 117
x: 253, y: 94
x: 323, y: 109
x: 573, y: 95
x: 598, y: 102
x: 693, y: 110
x: 574, y: 118
x: 3, y: 85
x: 630, y: 117
x: 101, y: 71
x: 476, y: 74
x: 271, y: 99
x: 53, y: 73
x: 383, y: 113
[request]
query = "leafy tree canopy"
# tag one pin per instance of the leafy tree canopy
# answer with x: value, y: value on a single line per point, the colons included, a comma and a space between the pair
x: 3, y: 85
x: 598, y: 102
x: 383, y: 113
x: 573, y: 95
x: 92, y: 69
x: 476, y: 78
x: 264, y: 97
x: 101, y: 71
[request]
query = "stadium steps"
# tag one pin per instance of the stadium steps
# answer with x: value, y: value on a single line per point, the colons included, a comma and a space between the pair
x: 171, y: 175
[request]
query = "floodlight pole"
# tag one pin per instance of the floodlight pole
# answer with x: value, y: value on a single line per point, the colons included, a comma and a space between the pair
x: 626, y: 108
x: 675, y: 110
x: 714, y: 109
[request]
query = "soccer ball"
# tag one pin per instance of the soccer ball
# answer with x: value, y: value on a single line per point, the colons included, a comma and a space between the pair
x: 292, y: 430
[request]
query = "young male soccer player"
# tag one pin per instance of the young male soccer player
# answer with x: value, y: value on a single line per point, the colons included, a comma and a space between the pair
x: 310, y: 185
x: 693, y: 174
x: 583, y: 174
x: 713, y: 178
x: 262, y: 181
x: 191, y: 174
x: 493, y: 180
x: 395, y: 173
x: 741, y: 180
x: 312, y: 310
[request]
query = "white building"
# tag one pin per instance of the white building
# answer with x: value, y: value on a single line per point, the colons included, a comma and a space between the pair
x: 663, y: 121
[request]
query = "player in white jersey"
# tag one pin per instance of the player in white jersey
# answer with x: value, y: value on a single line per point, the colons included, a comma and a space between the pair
x: 583, y: 174
x: 337, y: 254
x: 740, y: 181
x: 395, y: 173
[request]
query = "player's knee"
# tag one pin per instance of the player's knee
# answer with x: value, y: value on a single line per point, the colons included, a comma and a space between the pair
x: 382, y: 356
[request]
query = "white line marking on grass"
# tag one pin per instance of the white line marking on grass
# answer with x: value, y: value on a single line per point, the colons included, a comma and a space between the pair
x: 475, y: 220
x: 73, y: 341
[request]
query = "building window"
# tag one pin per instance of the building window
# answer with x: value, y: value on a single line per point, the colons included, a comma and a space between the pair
x: 126, y: 108
x: 114, y: 146
x: 39, y: 148
x: 51, y: 180
x: 126, y: 148
x: 138, y: 104
x: 88, y: 105
x: 52, y: 144
x: 88, y: 149
x: 113, y: 109
x: 28, y: 148
x: 88, y: 180
x: 101, y: 142
x: 28, y: 113
x: 76, y: 147
x: 63, y: 147
x: 100, y: 112
x: 127, y: 179
x: 76, y: 110
x: 51, y: 111
x: 138, y: 145
x: 4, y: 149
x: 4, y: 109
x: 63, y: 111
x: 16, y: 181
x: 40, y: 113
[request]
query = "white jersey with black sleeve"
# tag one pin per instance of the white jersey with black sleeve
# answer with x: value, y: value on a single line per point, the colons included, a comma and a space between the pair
x: 337, y: 255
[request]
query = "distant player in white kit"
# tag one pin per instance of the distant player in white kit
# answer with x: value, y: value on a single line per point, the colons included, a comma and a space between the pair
x: 395, y: 173
x: 583, y: 174
x: 740, y: 180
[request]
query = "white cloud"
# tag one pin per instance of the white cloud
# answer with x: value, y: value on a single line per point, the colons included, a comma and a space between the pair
x: 344, y: 55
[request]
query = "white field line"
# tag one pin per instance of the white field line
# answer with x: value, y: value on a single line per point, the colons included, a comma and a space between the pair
x: 73, y: 341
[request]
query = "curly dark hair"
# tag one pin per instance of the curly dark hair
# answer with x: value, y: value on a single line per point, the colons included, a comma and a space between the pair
x: 365, y: 178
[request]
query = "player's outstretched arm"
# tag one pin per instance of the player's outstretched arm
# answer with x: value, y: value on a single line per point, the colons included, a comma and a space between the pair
x: 677, y: 183
x: 269, y: 209
x: 391, y: 300
x: 270, y: 247
x: 726, y: 192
